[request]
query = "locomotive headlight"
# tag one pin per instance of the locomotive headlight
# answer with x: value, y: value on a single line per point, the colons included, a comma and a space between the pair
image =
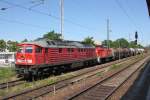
x: 24, y: 61
x: 18, y: 60
x: 29, y: 61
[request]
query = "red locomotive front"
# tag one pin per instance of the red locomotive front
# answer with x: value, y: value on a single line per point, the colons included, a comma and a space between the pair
x: 25, y: 55
x: 103, y: 53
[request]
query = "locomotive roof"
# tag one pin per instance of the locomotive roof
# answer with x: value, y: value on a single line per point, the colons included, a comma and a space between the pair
x: 59, y: 43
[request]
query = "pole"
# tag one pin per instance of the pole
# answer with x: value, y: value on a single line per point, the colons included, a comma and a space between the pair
x: 54, y: 87
x: 119, y: 49
x: 129, y: 37
x: 61, y: 17
x: 108, y: 34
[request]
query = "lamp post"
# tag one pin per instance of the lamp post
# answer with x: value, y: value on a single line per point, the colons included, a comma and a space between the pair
x: 61, y: 17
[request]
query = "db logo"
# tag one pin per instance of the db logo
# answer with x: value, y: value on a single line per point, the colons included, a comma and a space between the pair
x: 22, y: 57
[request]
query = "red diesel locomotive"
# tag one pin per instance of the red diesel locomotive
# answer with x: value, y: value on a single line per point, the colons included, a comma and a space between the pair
x: 103, y: 54
x: 41, y: 56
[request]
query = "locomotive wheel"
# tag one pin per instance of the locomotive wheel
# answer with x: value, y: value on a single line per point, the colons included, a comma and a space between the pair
x: 86, y: 63
x: 39, y: 75
x: 34, y: 77
x: 63, y: 69
x: 28, y: 76
x: 55, y: 71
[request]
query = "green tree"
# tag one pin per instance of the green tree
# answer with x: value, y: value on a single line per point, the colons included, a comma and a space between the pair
x: 132, y: 44
x: 110, y: 43
x: 116, y: 44
x: 12, y: 46
x: 2, y: 45
x: 25, y: 40
x: 89, y: 40
x: 52, y: 36
x: 123, y: 43
x: 140, y: 46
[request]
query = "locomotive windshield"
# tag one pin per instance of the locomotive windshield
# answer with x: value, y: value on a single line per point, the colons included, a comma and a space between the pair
x: 28, y: 49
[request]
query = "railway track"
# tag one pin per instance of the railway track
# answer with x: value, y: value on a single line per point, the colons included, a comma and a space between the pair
x: 40, y: 91
x: 11, y: 83
x: 20, y: 81
x: 103, y: 89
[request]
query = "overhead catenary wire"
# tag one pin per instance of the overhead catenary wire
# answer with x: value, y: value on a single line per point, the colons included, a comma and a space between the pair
x: 26, y: 24
x: 24, y: 3
x: 128, y: 16
x: 20, y: 22
x: 125, y: 12
x: 139, y: 28
x: 36, y: 5
x: 47, y: 14
x: 26, y: 8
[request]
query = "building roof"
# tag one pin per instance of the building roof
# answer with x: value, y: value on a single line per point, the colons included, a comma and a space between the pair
x: 59, y: 43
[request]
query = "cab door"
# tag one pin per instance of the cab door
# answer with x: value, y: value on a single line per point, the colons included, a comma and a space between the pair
x: 46, y: 60
x: 39, y: 55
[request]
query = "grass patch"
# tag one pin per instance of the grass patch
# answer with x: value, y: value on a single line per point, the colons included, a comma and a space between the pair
x: 3, y: 92
x: 50, y: 81
x: 27, y: 85
x: 34, y: 84
x: 114, y: 66
x: 99, y: 74
x: 6, y: 73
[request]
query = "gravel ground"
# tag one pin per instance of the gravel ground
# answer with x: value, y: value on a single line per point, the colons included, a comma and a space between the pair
x: 125, y: 87
x: 140, y: 88
x: 70, y: 90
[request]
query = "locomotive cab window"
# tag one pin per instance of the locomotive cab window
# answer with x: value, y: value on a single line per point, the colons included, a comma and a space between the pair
x: 20, y: 50
x: 38, y: 50
x: 28, y: 49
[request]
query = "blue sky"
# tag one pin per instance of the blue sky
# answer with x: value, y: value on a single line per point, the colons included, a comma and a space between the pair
x: 82, y: 18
